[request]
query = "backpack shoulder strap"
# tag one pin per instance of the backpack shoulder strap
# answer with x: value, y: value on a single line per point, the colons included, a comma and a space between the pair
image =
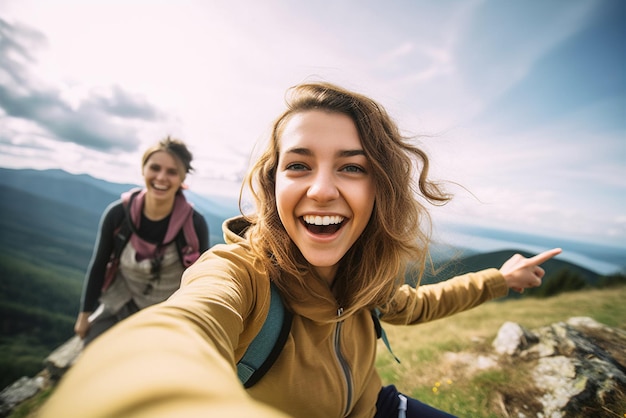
x: 124, y: 231
x: 187, y: 242
x: 268, y: 343
x: 380, y: 331
x: 121, y: 236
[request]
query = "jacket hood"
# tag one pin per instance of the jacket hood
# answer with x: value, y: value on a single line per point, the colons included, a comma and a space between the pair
x: 234, y: 230
x: 314, y: 301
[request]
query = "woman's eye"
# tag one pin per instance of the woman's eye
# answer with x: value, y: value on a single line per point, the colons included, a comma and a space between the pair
x: 352, y: 168
x: 172, y: 172
x: 296, y: 167
x: 155, y: 168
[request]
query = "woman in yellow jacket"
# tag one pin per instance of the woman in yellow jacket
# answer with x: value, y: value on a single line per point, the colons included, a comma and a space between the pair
x: 337, y: 224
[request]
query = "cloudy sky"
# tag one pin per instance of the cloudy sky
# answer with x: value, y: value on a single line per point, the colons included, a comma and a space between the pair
x: 521, y: 104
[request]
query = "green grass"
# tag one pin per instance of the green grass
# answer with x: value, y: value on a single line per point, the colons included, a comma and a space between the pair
x: 425, y: 375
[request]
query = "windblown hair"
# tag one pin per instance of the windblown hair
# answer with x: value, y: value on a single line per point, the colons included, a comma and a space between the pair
x: 398, y: 232
x: 176, y: 148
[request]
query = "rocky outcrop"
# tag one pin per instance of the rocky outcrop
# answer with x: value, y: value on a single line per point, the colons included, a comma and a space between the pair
x: 578, y: 368
x: 574, y: 369
x: 568, y: 369
x: 55, y: 365
x: 24, y: 388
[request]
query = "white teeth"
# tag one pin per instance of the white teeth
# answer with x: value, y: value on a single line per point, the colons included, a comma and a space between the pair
x: 159, y: 187
x: 323, y: 220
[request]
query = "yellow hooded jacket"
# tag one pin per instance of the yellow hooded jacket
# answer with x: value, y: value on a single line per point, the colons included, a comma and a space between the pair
x: 177, y: 358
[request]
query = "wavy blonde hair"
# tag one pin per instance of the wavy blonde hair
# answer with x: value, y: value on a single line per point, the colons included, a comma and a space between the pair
x: 398, y: 232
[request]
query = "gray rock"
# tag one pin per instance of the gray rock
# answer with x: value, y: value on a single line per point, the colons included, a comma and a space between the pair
x: 578, y: 366
x: 61, y: 359
x: 18, y: 392
x: 512, y: 338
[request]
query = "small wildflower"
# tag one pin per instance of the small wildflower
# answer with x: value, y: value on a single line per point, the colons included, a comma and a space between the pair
x: 449, y: 381
x: 435, y: 390
x: 437, y: 384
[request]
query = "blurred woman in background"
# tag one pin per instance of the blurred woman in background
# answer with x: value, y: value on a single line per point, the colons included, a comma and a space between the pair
x: 142, y: 247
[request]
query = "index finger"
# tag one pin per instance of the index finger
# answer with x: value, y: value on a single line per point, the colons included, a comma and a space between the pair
x: 544, y: 256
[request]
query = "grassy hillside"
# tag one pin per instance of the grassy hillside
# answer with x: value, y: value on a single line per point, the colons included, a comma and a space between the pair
x: 45, y: 246
x: 421, y: 348
x: 37, y: 311
x: 42, y: 231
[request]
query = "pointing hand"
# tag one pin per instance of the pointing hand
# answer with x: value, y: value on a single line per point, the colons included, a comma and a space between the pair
x: 521, y: 273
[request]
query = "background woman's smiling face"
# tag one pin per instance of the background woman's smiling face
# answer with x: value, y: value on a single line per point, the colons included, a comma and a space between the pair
x: 324, y: 189
x: 162, y: 175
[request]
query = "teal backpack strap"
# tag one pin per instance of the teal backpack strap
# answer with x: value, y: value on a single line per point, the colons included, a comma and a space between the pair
x: 268, y: 343
x: 380, y: 332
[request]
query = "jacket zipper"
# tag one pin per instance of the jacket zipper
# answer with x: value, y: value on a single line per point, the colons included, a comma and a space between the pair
x: 342, y: 362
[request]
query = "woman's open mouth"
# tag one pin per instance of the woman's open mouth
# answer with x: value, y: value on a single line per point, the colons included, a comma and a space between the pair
x: 160, y: 187
x: 323, y: 225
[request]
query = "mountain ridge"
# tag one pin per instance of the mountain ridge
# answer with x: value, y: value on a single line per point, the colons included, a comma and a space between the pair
x: 94, y: 195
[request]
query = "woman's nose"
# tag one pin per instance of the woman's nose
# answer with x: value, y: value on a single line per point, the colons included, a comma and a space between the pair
x: 323, y: 187
x: 161, y: 174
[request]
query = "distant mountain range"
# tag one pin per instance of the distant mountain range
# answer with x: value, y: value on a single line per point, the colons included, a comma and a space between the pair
x: 603, y: 259
x: 89, y: 196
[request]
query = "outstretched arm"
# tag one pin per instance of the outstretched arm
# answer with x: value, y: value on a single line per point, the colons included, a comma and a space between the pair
x: 172, y: 359
x: 522, y: 273
x: 432, y: 301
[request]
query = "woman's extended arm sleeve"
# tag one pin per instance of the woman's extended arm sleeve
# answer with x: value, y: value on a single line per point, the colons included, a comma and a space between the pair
x: 172, y: 359
x: 103, y: 247
x: 433, y: 301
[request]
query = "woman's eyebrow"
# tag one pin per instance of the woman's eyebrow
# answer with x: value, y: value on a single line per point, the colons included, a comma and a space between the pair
x: 341, y: 153
x: 299, y: 151
x: 350, y: 153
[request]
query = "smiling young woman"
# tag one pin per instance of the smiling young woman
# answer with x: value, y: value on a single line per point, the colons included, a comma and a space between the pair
x: 337, y: 224
x: 149, y: 267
